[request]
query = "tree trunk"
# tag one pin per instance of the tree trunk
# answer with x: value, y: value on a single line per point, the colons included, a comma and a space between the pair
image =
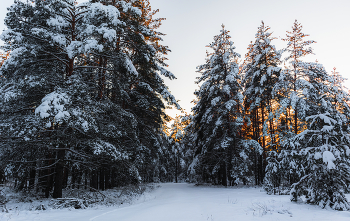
x: 176, y: 168
x: 32, y: 177
x: 108, y: 178
x: 65, y: 177
x: 74, y: 178
x: 49, y: 178
x: 102, y: 77
x: 94, y: 179
x: 102, y: 179
x: 263, y: 145
x: 256, y: 169
x: 262, y: 126
x: 223, y: 174
x: 272, y: 128
x: 37, y: 174
x: 86, y: 179
x: 296, y: 121
x: 57, y: 192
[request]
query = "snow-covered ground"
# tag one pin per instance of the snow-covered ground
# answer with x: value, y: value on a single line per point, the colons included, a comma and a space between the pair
x: 182, y: 202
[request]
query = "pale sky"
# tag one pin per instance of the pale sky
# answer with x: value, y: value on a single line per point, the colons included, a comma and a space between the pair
x: 191, y: 24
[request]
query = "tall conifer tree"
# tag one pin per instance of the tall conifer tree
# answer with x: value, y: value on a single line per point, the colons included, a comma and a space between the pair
x: 293, y: 107
x: 261, y: 73
x: 218, y: 113
x: 290, y: 82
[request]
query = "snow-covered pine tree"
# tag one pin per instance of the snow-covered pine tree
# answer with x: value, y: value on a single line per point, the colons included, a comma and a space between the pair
x: 30, y: 74
x: 289, y: 83
x: 261, y: 73
x: 323, y: 148
x: 149, y: 92
x: 218, y: 113
x: 293, y: 106
x: 112, y: 74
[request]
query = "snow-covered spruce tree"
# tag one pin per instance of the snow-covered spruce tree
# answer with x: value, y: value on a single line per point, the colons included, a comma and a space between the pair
x: 323, y: 148
x: 218, y: 113
x: 272, y: 177
x: 261, y: 73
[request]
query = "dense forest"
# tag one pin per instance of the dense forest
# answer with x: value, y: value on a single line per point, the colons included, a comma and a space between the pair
x: 83, y: 105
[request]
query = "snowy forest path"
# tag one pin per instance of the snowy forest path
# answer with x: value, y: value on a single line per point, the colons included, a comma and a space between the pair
x: 187, y: 202
x: 170, y: 202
